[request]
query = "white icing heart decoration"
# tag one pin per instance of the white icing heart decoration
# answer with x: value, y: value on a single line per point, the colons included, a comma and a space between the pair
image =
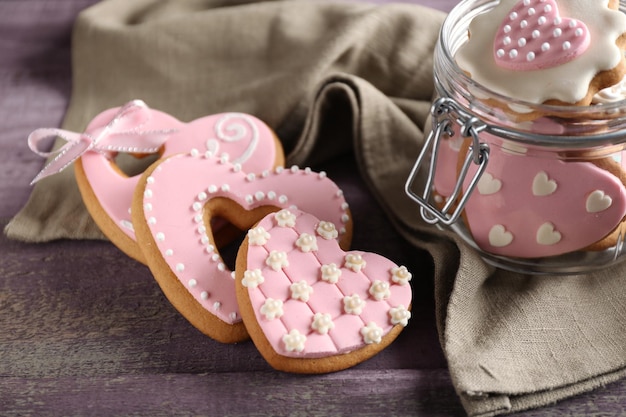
x: 542, y: 185
x: 362, y: 310
x: 534, y: 36
x: 598, y: 201
x: 488, y: 184
x: 499, y: 236
x: 547, y: 235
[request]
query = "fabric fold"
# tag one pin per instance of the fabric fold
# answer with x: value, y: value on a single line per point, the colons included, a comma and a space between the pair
x: 342, y: 80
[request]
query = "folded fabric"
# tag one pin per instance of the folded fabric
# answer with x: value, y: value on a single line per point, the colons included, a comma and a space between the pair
x: 333, y: 78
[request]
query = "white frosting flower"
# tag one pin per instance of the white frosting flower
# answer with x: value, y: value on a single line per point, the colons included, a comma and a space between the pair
x: 380, y: 290
x: 252, y: 278
x: 301, y: 291
x: 258, y: 236
x: 353, y: 304
x: 371, y: 333
x: 399, y: 315
x: 400, y: 275
x: 327, y: 230
x: 285, y: 218
x: 330, y: 273
x: 277, y: 260
x: 354, y: 261
x: 322, y: 323
x: 294, y: 341
x: 306, y: 242
x: 272, y: 309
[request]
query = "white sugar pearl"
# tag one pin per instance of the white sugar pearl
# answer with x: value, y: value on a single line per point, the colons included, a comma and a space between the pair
x: 557, y: 32
x: 160, y: 236
x: 566, y: 45
x: 521, y: 42
x: 531, y: 11
x: 530, y: 56
x: 506, y: 28
x: 513, y: 53
x: 500, y: 53
x: 523, y: 24
x: 180, y: 267
x: 513, y: 16
x: 506, y: 40
x: 536, y: 34
x: 547, y: 8
x: 542, y: 20
x: 545, y: 46
x: 204, y: 295
x: 578, y: 32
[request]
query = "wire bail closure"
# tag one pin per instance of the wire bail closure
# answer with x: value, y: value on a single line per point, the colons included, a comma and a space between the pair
x: 446, y: 114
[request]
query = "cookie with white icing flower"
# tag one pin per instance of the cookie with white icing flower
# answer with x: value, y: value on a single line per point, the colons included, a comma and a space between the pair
x: 546, y: 51
x: 309, y: 306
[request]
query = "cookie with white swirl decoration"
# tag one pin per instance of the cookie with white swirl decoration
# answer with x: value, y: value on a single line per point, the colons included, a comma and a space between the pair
x: 311, y: 307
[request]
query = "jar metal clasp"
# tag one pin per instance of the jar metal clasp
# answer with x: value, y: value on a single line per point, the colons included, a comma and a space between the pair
x: 446, y: 116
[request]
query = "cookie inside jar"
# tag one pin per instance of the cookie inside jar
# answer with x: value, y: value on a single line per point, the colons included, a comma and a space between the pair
x: 525, y: 160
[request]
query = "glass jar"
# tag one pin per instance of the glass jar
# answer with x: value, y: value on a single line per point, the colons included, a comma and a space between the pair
x: 533, y: 188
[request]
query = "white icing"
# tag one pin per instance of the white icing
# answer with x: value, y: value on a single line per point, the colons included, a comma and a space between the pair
x: 380, y: 290
x: 327, y: 230
x: 330, y: 273
x: 277, y: 260
x: 568, y: 82
x: 547, y: 235
x: 353, y: 304
x: 499, y: 237
x: 252, y: 278
x: 399, y: 315
x: 272, y: 309
x: 258, y: 236
x: 285, y: 218
x: 294, y: 341
x: 598, y: 201
x: 322, y: 323
x: 354, y: 261
x: 400, y: 275
x: 542, y: 185
x: 611, y: 94
x: 488, y: 184
x: 306, y: 242
x: 301, y: 291
x: 372, y: 333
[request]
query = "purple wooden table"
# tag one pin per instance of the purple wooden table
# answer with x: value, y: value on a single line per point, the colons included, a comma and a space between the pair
x: 84, y: 330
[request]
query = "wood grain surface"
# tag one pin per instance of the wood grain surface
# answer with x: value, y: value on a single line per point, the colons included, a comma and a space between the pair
x: 85, y: 330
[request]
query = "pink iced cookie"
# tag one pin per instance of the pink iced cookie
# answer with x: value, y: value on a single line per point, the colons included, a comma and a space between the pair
x: 527, y: 205
x: 108, y: 192
x: 309, y: 306
x: 172, y: 212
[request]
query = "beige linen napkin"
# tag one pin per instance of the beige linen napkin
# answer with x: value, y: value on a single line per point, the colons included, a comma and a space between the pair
x: 331, y: 78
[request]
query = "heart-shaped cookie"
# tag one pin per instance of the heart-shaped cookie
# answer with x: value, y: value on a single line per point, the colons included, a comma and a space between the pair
x: 309, y: 306
x: 534, y: 36
x: 173, y: 208
x: 108, y: 192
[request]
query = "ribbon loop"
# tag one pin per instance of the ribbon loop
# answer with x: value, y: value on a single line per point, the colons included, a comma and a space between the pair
x: 124, y: 133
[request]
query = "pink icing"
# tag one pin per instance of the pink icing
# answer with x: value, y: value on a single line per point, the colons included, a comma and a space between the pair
x: 529, y: 205
x: 345, y: 334
x: 174, y: 197
x: 244, y: 138
x: 534, y: 36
